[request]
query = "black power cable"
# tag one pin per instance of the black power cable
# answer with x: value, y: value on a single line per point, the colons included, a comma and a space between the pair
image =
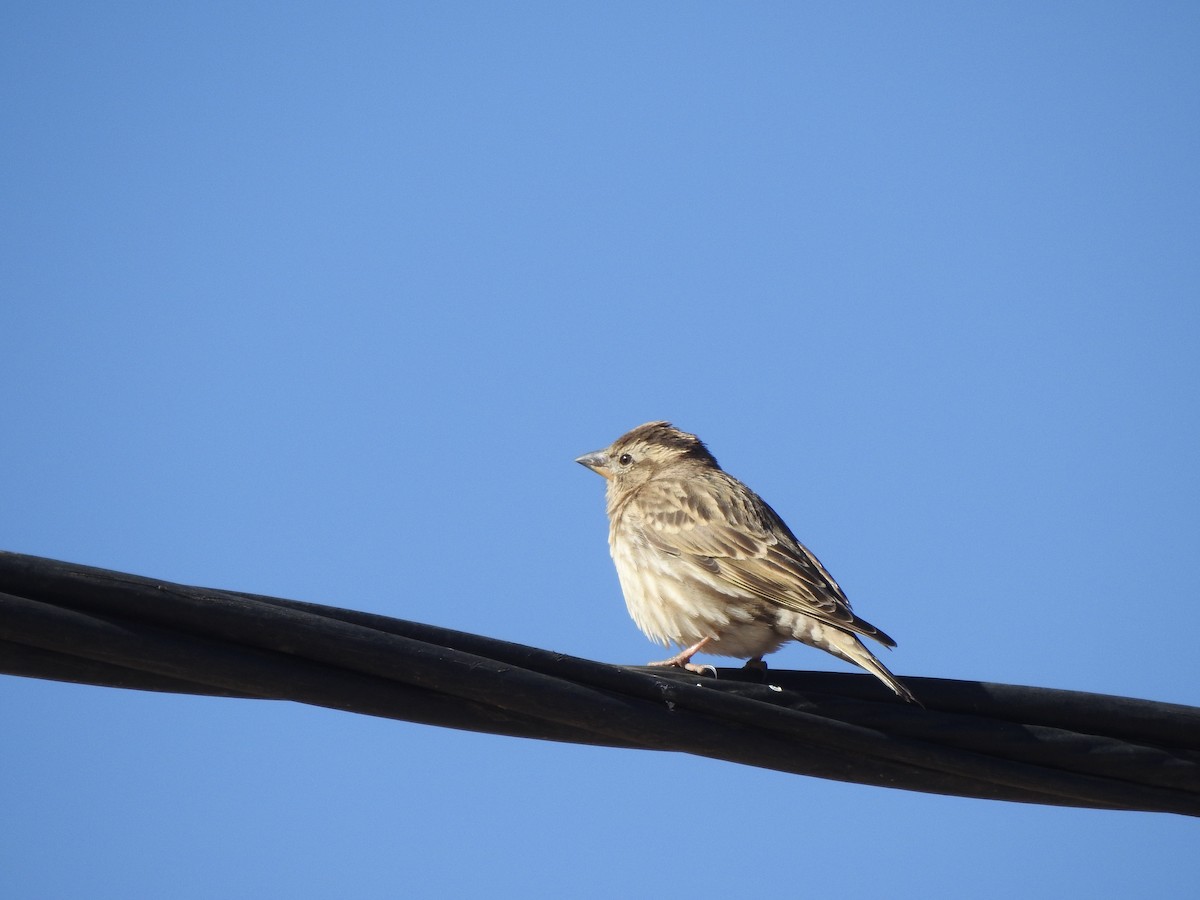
x: 75, y: 623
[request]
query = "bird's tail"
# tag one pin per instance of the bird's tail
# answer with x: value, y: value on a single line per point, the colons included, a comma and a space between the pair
x: 848, y: 647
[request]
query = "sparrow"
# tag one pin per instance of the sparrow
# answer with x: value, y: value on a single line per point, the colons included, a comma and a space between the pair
x: 705, y: 564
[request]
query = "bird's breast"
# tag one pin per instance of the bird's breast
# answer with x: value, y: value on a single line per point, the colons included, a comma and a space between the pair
x: 674, y: 599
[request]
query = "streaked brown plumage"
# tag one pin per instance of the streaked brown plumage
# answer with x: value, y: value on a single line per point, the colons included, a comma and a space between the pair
x: 707, y: 565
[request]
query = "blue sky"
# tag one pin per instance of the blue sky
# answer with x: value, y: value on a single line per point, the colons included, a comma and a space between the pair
x: 322, y: 301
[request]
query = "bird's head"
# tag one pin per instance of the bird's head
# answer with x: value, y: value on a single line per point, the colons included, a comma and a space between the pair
x: 636, y: 456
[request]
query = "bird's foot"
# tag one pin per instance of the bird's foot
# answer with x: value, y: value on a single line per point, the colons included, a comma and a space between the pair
x: 683, y: 660
x: 678, y: 663
x: 756, y: 668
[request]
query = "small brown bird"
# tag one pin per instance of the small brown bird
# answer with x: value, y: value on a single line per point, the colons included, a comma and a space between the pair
x: 707, y: 565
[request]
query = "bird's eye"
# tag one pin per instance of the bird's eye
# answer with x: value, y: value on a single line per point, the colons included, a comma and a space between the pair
x: 625, y: 459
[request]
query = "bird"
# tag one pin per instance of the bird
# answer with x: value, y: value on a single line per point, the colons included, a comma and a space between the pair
x: 705, y: 564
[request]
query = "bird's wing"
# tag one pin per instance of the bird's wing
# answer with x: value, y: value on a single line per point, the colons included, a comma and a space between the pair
x: 714, y: 522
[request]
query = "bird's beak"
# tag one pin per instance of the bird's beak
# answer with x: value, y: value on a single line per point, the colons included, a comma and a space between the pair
x: 597, y: 462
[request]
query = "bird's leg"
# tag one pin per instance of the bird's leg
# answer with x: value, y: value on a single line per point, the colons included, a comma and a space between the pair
x: 683, y: 659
